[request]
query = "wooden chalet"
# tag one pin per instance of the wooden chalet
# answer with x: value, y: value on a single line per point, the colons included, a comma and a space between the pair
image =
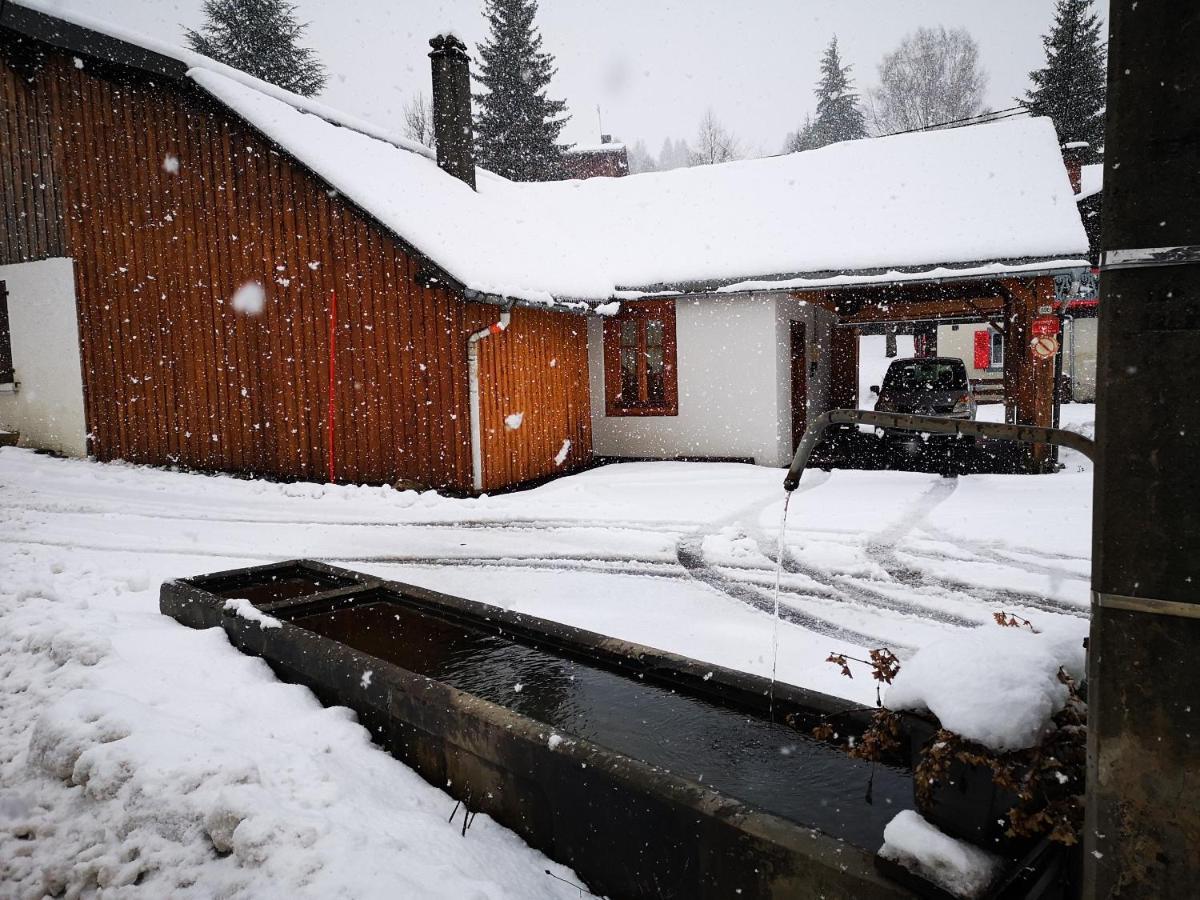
x: 414, y: 319
x: 167, y: 202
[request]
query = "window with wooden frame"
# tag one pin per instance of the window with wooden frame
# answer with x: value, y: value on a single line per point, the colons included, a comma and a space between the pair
x: 639, y: 360
x: 7, y: 376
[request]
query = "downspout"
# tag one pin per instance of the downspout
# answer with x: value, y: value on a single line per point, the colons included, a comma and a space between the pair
x: 473, y: 376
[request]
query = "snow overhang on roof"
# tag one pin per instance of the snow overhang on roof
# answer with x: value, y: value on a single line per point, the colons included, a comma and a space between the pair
x: 984, y: 200
x: 610, y: 147
x: 981, y: 271
x: 1091, y: 181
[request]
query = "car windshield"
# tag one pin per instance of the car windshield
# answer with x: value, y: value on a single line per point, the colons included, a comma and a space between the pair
x: 925, y: 375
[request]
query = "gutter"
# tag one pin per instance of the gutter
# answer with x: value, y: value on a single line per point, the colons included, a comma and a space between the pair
x: 496, y: 327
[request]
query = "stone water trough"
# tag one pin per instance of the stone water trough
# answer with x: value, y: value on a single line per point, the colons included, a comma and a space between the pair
x: 649, y: 774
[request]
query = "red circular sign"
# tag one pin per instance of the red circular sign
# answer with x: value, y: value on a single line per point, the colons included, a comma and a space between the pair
x: 1045, y: 346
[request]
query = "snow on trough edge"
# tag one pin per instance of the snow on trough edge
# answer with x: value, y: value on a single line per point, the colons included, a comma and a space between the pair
x: 960, y: 868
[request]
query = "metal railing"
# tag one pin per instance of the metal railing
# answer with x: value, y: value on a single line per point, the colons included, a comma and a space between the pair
x: 1025, y: 434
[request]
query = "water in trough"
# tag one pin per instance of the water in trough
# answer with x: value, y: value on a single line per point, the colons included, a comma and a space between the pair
x: 766, y: 764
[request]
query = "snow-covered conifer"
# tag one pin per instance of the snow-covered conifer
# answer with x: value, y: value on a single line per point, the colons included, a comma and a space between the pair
x: 839, y: 117
x: 1070, y: 87
x: 517, y: 126
x: 260, y: 37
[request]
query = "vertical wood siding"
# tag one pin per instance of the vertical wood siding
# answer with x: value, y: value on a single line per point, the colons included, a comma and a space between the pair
x: 174, y: 375
x: 538, y: 368
x: 31, y: 226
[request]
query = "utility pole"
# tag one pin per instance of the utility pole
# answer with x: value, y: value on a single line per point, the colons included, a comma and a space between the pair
x: 1142, y: 828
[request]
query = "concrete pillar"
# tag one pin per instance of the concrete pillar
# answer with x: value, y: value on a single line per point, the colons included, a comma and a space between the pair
x: 1142, y: 831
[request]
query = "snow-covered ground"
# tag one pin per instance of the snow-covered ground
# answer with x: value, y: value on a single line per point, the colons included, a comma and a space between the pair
x: 135, y: 750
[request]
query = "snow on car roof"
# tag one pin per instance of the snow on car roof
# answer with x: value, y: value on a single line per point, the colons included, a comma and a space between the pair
x: 988, y: 199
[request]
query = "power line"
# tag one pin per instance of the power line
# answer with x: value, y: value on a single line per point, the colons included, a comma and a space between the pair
x: 978, y: 118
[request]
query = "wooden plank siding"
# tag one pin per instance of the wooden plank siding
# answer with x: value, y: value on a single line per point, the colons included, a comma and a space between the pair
x: 174, y: 375
x: 31, y: 225
x: 538, y: 367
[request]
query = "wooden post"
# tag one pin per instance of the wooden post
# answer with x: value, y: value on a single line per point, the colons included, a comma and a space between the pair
x: 1028, y: 381
x: 1142, y: 825
x: 843, y: 368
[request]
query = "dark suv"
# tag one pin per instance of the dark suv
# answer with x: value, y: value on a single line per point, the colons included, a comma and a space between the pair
x: 932, y: 386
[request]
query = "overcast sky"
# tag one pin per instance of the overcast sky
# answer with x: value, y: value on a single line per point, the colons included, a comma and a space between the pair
x: 652, y: 67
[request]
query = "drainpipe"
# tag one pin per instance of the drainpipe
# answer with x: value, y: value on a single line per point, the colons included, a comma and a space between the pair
x: 473, y: 376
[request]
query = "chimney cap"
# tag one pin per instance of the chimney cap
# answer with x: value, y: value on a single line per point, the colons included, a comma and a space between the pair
x: 447, y: 43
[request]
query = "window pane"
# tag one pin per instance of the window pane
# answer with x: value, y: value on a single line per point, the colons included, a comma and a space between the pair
x: 654, y: 333
x: 656, y: 388
x: 629, y: 333
x: 654, y: 360
x: 997, y: 350
x: 629, y: 376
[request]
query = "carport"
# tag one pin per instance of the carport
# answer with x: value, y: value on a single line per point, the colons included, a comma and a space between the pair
x: 1016, y: 307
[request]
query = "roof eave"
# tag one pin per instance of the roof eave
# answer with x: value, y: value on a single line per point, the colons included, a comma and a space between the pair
x: 77, y: 39
x: 1015, y: 267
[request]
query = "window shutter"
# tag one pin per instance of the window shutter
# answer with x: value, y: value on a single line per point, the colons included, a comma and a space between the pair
x: 6, y: 361
x: 983, y: 349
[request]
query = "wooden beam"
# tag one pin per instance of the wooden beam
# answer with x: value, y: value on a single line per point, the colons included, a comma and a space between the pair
x: 979, y: 307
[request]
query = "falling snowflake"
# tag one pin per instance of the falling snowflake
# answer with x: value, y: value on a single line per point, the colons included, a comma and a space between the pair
x: 250, y: 298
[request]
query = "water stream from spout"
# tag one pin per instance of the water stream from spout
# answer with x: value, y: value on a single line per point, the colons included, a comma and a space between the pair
x: 779, y: 551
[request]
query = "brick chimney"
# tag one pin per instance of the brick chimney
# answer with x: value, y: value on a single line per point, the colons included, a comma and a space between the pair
x: 1074, y: 154
x: 452, y: 107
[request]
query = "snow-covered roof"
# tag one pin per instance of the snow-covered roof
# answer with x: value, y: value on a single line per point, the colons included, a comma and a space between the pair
x: 1091, y: 181
x: 969, y: 196
x: 991, y: 199
x: 609, y: 147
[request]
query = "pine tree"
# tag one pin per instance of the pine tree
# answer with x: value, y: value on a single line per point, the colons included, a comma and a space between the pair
x: 839, y: 117
x: 804, y: 139
x: 259, y: 37
x: 640, y: 159
x: 1070, y: 88
x: 517, y: 126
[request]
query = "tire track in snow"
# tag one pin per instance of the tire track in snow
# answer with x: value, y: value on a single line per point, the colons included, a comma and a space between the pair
x: 690, y: 552
x: 848, y: 589
x: 669, y: 571
x: 883, y: 546
x: 515, y: 524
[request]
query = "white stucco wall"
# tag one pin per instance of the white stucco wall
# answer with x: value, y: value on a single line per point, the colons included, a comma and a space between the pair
x: 959, y: 340
x: 47, y: 409
x: 734, y: 382
x: 1079, y: 358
